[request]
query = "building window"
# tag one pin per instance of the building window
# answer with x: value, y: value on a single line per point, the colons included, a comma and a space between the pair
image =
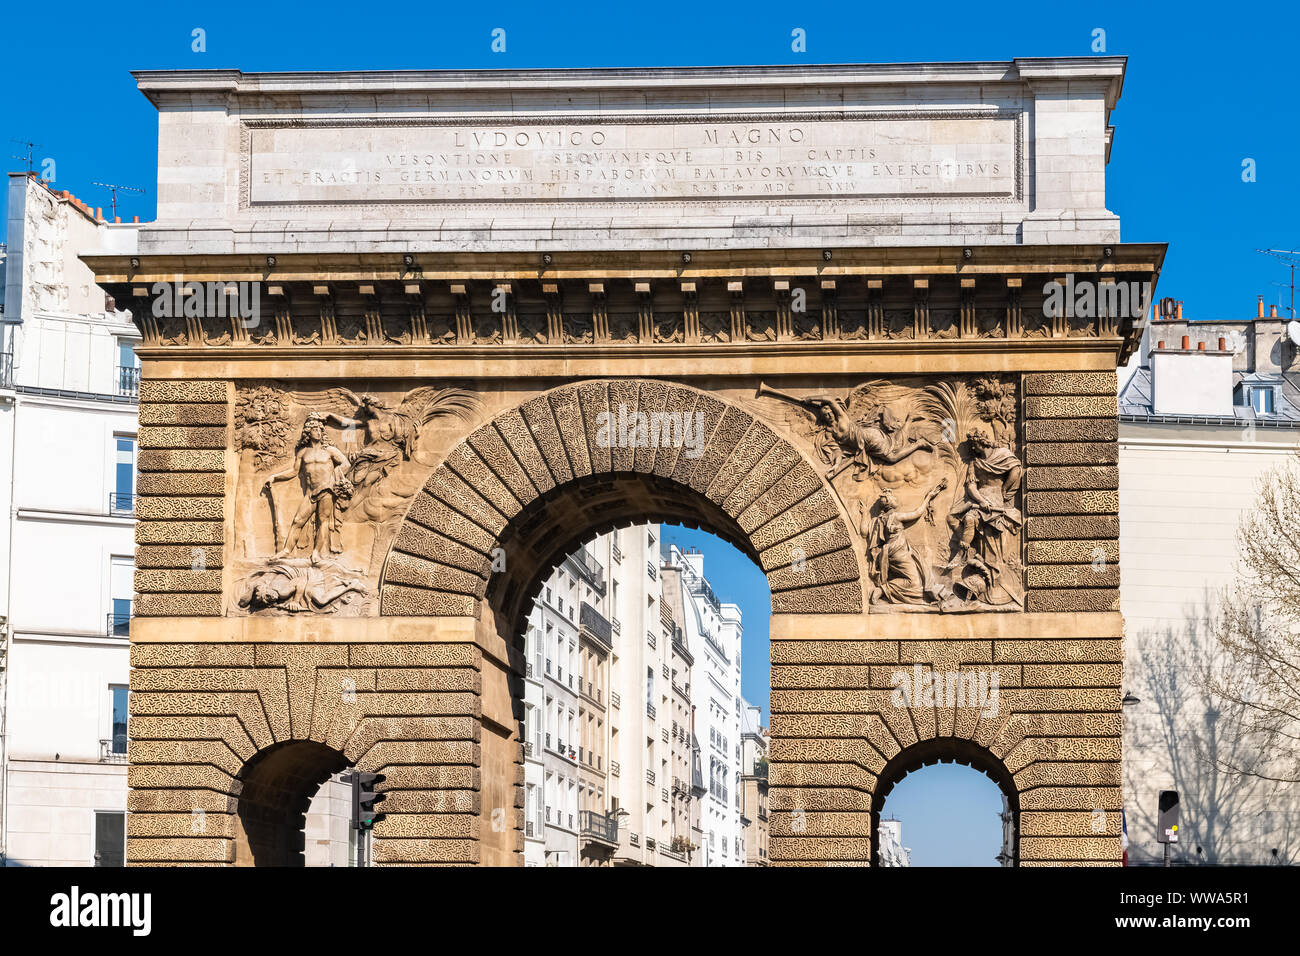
x: 1261, y: 399
x: 122, y: 499
x: 121, y: 587
x: 118, y: 740
x: 128, y: 368
x: 110, y: 839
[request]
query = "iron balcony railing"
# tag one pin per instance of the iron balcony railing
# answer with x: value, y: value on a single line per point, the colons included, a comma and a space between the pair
x: 651, y: 570
x: 599, y: 826
x: 6, y: 369
x: 119, y: 625
x: 121, y: 504
x: 113, y: 749
x: 128, y: 380
x: 596, y: 625
x: 650, y: 710
x: 585, y: 560
x: 616, y: 698
x: 614, y: 768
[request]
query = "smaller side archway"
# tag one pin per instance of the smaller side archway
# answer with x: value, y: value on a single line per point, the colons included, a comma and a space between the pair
x: 276, y: 787
x: 936, y: 750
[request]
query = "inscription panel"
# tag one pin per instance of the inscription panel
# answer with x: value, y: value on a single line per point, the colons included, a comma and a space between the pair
x: 587, y: 159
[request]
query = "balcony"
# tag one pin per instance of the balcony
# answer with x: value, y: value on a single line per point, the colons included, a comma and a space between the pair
x: 599, y: 826
x: 588, y: 564
x: 650, y: 710
x: 128, y: 380
x: 650, y: 639
x: 6, y: 369
x: 614, y: 768
x: 529, y: 829
x: 119, y: 625
x: 651, y: 570
x: 594, y: 625
x: 616, y: 625
x: 650, y: 777
x: 616, y: 698
x: 113, y: 749
x: 616, y: 552
x: 120, y: 504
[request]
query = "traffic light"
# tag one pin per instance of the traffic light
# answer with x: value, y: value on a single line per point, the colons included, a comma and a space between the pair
x: 1167, y: 822
x: 364, y: 797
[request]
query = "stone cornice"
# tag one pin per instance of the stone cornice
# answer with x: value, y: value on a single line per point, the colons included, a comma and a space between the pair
x: 159, y: 85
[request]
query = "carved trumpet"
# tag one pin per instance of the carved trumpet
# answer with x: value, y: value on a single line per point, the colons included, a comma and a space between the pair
x: 766, y: 391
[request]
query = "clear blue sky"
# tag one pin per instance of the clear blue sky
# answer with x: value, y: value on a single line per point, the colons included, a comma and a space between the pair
x: 1207, y: 87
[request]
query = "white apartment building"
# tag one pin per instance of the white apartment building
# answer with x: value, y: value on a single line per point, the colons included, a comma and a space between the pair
x: 68, y: 411
x: 713, y: 632
x: 1205, y: 409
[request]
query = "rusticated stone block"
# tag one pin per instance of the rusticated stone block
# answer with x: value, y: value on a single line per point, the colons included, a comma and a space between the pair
x: 820, y: 702
x: 820, y: 823
x: 191, y: 850
x: 176, y: 459
x: 396, y: 850
x: 180, y: 776
x: 423, y: 752
x: 834, y: 799
x: 152, y: 413
x: 181, y: 483
x: 179, y: 532
x: 820, y: 677
x: 810, y: 541
x: 1107, y: 650
x: 1073, y: 478
x: 1019, y: 701
x: 1073, y: 576
x: 1066, y: 551
x: 1033, y: 749
x: 827, y: 599
x: 177, y: 605
x: 414, y: 655
x: 1072, y: 406
x: 1070, y: 848
x: 178, y: 800
x: 1101, y: 430
x: 1072, y: 526
x: 181, y: 436
x: 930, y: 652
x: 805, y: 750
x: 1070, y: 383
x: 178, y: 580
x: 819, y: 848
x: 194, y: 557
x: 831, y: 568
x: 396, y: 599
x: 1072, y: 502
x: 1071, y: 453
x: 1045, y: 774
x: 184, y: 825
x: 429, y: 679
x: 821, y: 775
x: 191, y: 655
x: 833, y: 652
x: 214, y: 752
x: 1083, y: 599
x: 419, y: 573
x: 167, y: 391
x: 866, y: 726
x: 463, y: 826
x: 1072, y: 675
x: 178, y: 509
x: 1072, y: 798
x: 449, y: 800
x: 1069, y: 823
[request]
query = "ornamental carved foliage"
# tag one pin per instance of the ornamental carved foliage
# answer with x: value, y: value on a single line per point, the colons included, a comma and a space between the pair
x: 324, y: 478
x: 930, y: 475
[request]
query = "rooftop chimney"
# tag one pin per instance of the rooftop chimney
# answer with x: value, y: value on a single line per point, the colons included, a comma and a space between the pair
x: 1260, y: 313
x: 1272, y: 312
x: 1187, y: 342
x: 1178, y: 311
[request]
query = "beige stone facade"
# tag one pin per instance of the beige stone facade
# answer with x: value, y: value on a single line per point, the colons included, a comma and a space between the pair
x: 368, y: 609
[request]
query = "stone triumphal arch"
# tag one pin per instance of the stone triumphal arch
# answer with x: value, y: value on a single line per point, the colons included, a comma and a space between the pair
x: 410, y: 337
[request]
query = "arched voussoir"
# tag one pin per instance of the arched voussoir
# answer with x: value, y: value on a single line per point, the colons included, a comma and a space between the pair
x: 699, y: 459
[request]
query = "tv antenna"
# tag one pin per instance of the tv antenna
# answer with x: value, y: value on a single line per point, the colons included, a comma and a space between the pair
x: 28, y: 157
x: 1290, y: 258
x: 113, y: 188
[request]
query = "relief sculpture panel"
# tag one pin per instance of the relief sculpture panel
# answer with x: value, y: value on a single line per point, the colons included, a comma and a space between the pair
x: 324, y: 478
x: 930, y: 475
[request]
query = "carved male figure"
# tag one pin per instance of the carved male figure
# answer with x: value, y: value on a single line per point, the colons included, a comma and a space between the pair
x: 988, y: 512
x: 322, y: 468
